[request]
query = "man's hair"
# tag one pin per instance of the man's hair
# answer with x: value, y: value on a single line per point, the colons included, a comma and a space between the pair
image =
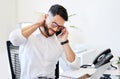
x: 59, y: 10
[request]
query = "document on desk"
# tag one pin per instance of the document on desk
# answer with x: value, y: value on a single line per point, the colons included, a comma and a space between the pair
x: 78, y: 73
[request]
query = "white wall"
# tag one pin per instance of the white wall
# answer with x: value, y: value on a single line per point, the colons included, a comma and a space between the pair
x: 7, y: 21
x: 101, y: 23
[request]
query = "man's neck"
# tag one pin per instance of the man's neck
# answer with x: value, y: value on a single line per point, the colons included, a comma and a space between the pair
x: 43, y: 32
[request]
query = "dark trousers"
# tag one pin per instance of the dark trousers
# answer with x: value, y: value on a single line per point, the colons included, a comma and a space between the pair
x: 44, y: 78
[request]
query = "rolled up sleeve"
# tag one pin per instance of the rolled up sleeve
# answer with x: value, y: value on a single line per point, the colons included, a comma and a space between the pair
x: 73, y: 65
x: 16, y: 37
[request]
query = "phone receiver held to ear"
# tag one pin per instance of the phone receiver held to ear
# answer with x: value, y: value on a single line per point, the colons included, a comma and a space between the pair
x: 59, y: 32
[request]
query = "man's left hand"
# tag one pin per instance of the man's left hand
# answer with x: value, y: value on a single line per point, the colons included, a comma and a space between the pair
x: 63, y: 36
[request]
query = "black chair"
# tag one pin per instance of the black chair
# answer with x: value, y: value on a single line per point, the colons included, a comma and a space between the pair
x: 57, y: 71
x: 13, y: 57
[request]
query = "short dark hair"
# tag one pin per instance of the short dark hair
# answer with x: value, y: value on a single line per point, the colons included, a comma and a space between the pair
x: 60, y: 10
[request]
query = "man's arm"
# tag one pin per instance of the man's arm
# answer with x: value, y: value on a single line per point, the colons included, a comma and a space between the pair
x: 70, y: 55
x: 27, y: 31
x: 19, y: 36
x: 72, y: 60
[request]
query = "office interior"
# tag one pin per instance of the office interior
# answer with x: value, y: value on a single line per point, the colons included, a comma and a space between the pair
x: 96, y: 22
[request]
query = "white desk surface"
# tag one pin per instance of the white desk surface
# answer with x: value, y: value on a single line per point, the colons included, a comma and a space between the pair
x: 82, y: 71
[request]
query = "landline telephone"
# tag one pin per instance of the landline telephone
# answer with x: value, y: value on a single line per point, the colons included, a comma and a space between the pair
x: 101, y: 59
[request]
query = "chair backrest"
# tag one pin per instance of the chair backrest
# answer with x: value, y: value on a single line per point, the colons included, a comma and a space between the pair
x: 57, y: 71
x: 13, y: 56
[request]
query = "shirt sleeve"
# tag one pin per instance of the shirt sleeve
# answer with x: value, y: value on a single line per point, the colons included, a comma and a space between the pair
x: 73, y: 65
x: 16, y: 37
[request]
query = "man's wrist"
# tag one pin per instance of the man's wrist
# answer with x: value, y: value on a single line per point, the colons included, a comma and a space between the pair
x: 64, y: 42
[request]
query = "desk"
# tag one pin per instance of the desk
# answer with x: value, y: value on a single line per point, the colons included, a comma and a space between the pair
x: 114, y: 74
x: 111, y: 77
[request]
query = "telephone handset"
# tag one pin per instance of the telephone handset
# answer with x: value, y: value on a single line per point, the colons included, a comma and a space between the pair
x: 103, y: 58
x: 59, y: 32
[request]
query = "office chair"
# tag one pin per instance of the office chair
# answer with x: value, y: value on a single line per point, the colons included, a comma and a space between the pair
x: 13, y: 57
x: 57, y: 71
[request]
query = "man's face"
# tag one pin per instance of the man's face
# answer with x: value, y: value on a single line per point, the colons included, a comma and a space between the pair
x: 53, y: 24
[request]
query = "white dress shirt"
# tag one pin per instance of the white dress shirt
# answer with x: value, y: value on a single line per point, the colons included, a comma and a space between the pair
x: 39, y: 55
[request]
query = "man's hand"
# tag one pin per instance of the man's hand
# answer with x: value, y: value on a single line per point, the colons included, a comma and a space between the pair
x: 63, y: 36
x: 41, y: 21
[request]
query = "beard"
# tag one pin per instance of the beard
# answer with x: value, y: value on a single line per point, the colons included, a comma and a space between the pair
x: 46, y: 30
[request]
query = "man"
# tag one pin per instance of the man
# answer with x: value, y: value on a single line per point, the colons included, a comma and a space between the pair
x: 39, y: 52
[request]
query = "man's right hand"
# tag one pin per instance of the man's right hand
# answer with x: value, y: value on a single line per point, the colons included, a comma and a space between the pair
x: 41, y: 21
